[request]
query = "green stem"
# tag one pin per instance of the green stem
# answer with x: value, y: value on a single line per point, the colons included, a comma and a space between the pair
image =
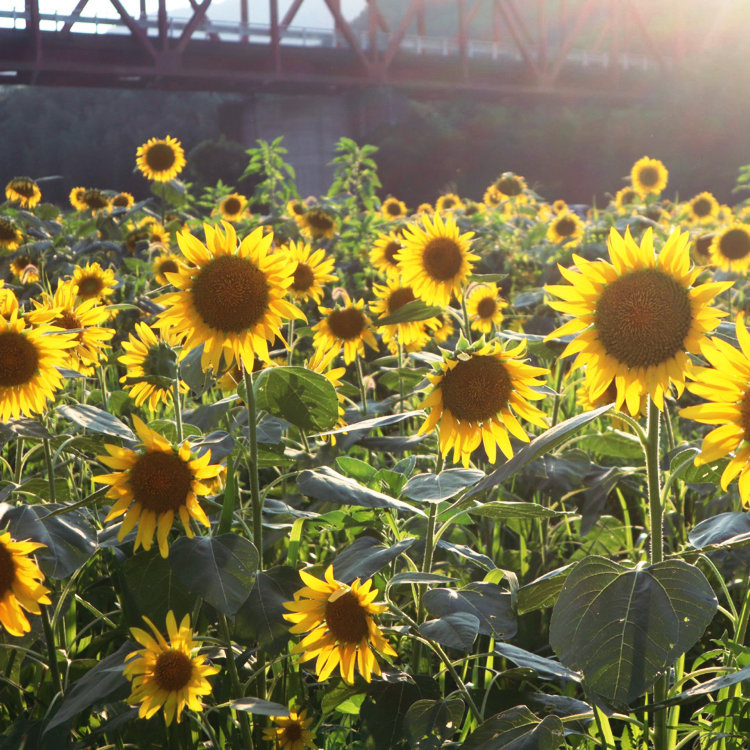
x: 290, y: 340
x: 49, y: 636
x: 559, y: 371
x: 102, y: 373
x: 177, y: 409
x: 18, y: 463
x: 247, y: 739
x: 362, y: 389
x: 467, y: 327
x: 50, y: 470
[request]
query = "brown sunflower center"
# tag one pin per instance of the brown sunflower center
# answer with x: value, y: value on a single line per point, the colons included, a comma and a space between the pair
x: 390, y: 252
x: 400, y: 297
x: 7, y: 230
x: 7, y: 570
x: 565, y: 226
x: 26, y: 188
x: 643, y: 318
x: 448, y: 203
x: 160, y: 157
x: 487, y: 307
x: 89, y: 285
x: 232, y: 206
x: 347, y: 618
x: 69, y: 321
x: 476, y: 389
x: 509, y: 186
x: 702, y: 245
x: 134, y: 237
x: 734, y: 244
x: 22, y: 261
x: 629, y: 196
x: 172, y: 670
x: 293, y: 732
x: 298, y: 208
x: 702, y: 207
x: 168, y: 266
x: 347, y: 323
x: 120, y: 201
x: 442, y: 258
x: 231, y: 294
x: 744, y: 411
x: 648, y: 176
x: 19, y: 359
x: 304, y: 278
x: 319, y: 220
x: 393, y: 209
x: 160, y: 481
x: 94, y: 199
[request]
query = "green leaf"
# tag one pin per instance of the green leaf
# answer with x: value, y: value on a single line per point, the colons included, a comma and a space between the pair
x: 542, y: 591
x: 356, y: 469
x: 487, y: 278
x: 501, y: 510
x: 537, y: 447
x: 613, y: 443
x: 434, y: 488
x: 725, y: 529
x: 517, y: 729
x: 456, y: 630
x: 173, y: 192
x: 365, y: 557
x: 96, y: 420
x: 258, y: 706
x: 545, y: 668
x: 220, y: 569
x: 710, y: 686
x: 410, y: 312
x: 401, y: 579
x: 300, y: 396
x: 427, y: 719
x: 369, y: 424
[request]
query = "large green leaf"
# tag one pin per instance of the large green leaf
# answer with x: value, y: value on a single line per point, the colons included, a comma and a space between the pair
x: 427, y: 719
x: 723, y: 529
x: 622, y: 627
x: 220, y: 569
x: 411, y: 311
x: 366, y: 556
x: 96, y: 420
x: 517, y: 729
x: 302, y: 397
x: 502, y: 510
x: 546, y: 668
x: 434, y: 488
x: 542, y: 591
x: 457, y: 630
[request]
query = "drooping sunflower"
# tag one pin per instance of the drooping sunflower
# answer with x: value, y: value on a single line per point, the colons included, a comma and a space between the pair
x: 390, y: 298
x: 339, y: 625
x: 383, y: 253
x: 291, y: 732
x: 346, y: 328
x: 75, y: 196
x: 436, y: 259
x: 95, y: 201
x: 94, y: 282
x: 393, y: 208
x: 703, y: 208
x: 316, y: 223
x: 29, y: 362
x: 231, y: 297
x: 122, y: 200
x: 637, y: 316
x: 730, y: 249
x: 11, y: 236
x: 726, y: 388
x: 153, y: 485
x: 160, y: 160
x: 566, y: 229
x: 20, y: 584
x: 163, y: 264
x: 311, y: 272
x: 449, y: 202
x: 625, y: 198
x: 25, y: 269
x: 23, y: 190
x: 169, y: 673
x: 151, y: 367
x: 232, y: 208
x: 648, y: 176
x: 474, y: 397
x: 484, y: 306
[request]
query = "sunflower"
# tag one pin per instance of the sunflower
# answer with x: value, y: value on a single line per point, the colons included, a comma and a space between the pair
x: 160, y: 160
x: 566, y: 229
x: 25, y: 269
x: 448, y: 202
x: 726, y: 387
x: 316, y: 223
x: 95, y: 201
x: 23, y: 190
x: 703, y: 209
x: 472, y: 397
x: 702, y: 248
x: 648, y: 176
x: 85, y: 317
x: 441, y: 328
x: 625, y: 198
x: 295, y: 209
x: 560, y: 206
x: 425, y: 208
x: 11, y: 236
x: 637, y: 317
x: 338, y: 621
x: 510, y: 185
x: 122, y: 200
x: 730, y: 249
x: 492, y: 197
x: 230, y: 298
x: 383, y: 253
x: 155, y: 232
x: 311, y: 271
x: 75, y: 197
x: 291, y: 732
x: 93, y: 281
x: 133, y: 237
x: 151, y: 367
x: 390, y: 298
x: 393, y: 208
x: 163, y: 264
x: 485, y: 307
x: 20, y: 584
x: 154, y: 484
x: 29, y: 361
x: 8, y: 301
x: 167, y: 674
x: 232, y: 208
x: 435, y: 260
x: 344, y: 327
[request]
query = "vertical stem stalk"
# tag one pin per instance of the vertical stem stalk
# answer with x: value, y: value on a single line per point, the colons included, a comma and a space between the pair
x: 177, y: 409
x: 18, y: 463
x: 50, y: 470
x: 247, y: 739
x: 558, y: 384
x: 362, y: 389
x: 467, y: 327
x: 49, y: 637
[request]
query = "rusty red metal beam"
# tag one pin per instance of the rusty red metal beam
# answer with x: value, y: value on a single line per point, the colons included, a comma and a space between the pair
x: 75, y: 14
x: 135, y: 29
x: 199, y: 15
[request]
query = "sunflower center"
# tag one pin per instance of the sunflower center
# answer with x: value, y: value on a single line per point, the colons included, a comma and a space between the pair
x: 94, y: 199
x: 19, y: 359
x: 293, y: 733
x: 735, y: 244
x: 390, y: 252
x: 134, y: 237
x: 565, y: 226
x: 629, y: 196
x: 347, y: 618
x: 393, y: 209
x: 476, y: 389
x: 487, y: 307
x: 160, y: 481
x: 69, y: 321
x: 448, y: 203
x: 7, y: 570
x: 648, y: 176
x: 399, y: 298
x: 347, y: 323
x: 702, y: 207
x: 298, y: 208
x: 702, y: 245
x: 23, y: 187
x: 304, y: 278
x: 230, y: 294
x: 319, y: 220
x: 160, y: 157
x: 643, y: 318
x: 172, y: 670
x: 120, y: 201
x: 442, y: 258
x: 508, y: 186
x: 89, y: 286
x: 168, y: 266
x: 7, y: 230
x: 232, y: 206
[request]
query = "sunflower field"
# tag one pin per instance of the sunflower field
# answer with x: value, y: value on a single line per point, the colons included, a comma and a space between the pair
x: 337, y: 472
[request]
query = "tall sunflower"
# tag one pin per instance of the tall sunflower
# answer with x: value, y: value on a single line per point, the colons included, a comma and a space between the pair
x: 23, y: 190
x: 311, y: 272
x: 726, y: 388
x: 703, y: 208
x: 637, y: 316
x: 20, y: 584
x: 160, y: 160
x: 232, y: 208
x: 383, y: 253
x: 393, y: 208
x: 390, y: 298
x: 317, y: 223
x: 436, y: 259
x: 346, y: 328
x: 93, y: 281
x: 167, y: 674
x: 291, y: 732
x: 566, y: 229
x: 153, y: 485
x: 11, y: 236
x: 648, y: 176
x: 339, y: 625
x: 485, y: 307
x: 231, y: 297
x: 730, y: 248
x: 474, y: 397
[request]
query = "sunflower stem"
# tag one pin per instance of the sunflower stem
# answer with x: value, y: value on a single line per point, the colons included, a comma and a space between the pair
x: 362, y: 389
x: 102, y: 373
x: 467, y: 327
x: 18, y: 463
x: 49, y: 636
x: 50, y: 470
x: 177, y: 410
x: 559, y: 371
x: 247, y: 738
x: 290, y: 340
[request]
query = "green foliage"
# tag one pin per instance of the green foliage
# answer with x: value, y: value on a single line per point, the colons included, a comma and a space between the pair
x: 356, y: 173
x: 276, y: 186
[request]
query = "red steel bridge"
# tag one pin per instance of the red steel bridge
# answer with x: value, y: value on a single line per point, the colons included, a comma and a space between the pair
x: 565, y: 47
